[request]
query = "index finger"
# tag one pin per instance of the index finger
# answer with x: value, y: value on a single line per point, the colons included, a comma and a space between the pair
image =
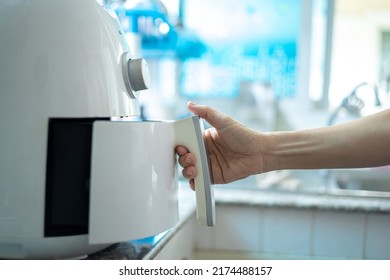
x: 181, y: 150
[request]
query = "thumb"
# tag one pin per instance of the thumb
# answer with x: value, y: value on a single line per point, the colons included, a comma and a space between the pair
x: 212, y: 116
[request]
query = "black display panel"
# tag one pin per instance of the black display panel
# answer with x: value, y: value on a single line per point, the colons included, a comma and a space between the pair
x: 67, y: 177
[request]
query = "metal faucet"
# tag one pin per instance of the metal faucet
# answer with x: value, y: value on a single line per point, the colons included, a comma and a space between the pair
x: 352, y: 103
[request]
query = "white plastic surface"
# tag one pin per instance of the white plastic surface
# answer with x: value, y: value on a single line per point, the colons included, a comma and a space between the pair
x: 139, y: 74
x: 59, y: 59
x: 136, y: 75
x: 134, y: 178
x: 189, y: 133
x: 133, y: 181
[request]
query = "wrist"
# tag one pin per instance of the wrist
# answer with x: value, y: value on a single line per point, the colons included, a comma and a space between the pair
x: 268, y: 157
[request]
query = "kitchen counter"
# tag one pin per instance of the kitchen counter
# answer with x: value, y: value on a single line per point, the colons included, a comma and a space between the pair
x: 148, y: 248
x: 274, y: 198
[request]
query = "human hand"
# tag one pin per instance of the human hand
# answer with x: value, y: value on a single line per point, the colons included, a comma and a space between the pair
x: 234, y: 151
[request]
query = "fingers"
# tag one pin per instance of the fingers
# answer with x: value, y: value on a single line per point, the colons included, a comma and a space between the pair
x: 190, y: 173
x: 187, y: 160
x: 212, y: 116
x: 192, y: 184
x: 185, y: 157
x: 181, y: 150
x: 216, y: 119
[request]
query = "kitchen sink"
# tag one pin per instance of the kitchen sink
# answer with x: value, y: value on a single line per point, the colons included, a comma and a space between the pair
x: 362, y: 182
x: 373, y: 182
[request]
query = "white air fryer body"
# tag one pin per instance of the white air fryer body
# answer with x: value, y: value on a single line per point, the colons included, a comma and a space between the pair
x: 62, y: 62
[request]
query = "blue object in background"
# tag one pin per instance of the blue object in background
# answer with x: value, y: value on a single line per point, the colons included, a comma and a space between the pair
x: 159, y: 37
x: 223, y: 43
x: 248, y: 40
x: 152, y: 24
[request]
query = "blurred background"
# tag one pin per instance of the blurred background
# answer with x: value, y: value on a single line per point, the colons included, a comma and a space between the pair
x: 229, y: 54
x: 272, y: 65
x: 275, y: 65
x: 250, y: 58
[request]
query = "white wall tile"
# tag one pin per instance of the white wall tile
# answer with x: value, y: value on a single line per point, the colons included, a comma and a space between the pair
x: 311, y: 233
x: 205, y: 236
x: 378, y: 236
x: 339, y: 234
x: 237, y: 228
x: 287, y: 231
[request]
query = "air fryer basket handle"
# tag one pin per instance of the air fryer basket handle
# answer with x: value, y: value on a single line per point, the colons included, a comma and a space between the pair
x: 189, y: 133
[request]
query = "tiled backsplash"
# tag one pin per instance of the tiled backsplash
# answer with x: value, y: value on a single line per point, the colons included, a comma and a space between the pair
x: 304, y: 233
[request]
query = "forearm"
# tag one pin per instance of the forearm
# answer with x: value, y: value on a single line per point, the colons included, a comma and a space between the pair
x: 361, y: 143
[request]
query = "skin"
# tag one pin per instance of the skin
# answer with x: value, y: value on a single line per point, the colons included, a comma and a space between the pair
x: 236, y: 151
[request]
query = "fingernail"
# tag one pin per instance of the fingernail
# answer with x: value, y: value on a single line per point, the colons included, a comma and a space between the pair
x: 191, y: 103
x: 189, y: 173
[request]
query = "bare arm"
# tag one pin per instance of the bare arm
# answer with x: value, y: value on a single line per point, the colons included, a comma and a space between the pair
x: 361, y: 143
x: 236, y: 151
